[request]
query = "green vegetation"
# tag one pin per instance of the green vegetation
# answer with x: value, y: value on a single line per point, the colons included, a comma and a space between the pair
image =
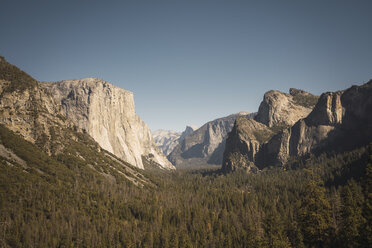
x: 60, y: 201
x: 265, y: 135
x: 19, y: 79
x: 278, y: 127
x: 306, y: 100
x: 262, y: 135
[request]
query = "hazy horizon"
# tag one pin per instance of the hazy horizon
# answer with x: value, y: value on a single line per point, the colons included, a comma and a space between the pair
x: 189, y: 62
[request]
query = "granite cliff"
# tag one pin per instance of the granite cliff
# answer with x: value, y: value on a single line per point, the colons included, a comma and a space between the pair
x: 338, y: 122
x: 167, y: 140
x: 244, y: 143
x: 28, y: 109
x: 37, y: 137
x: 277, y: 111
x: 106, y: 113
x: 206, y: 144
x: 278, y: 108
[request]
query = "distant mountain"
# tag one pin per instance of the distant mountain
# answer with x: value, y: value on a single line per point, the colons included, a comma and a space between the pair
x: 206, y: 144
x: 296, y: 125
x: 167, y: 140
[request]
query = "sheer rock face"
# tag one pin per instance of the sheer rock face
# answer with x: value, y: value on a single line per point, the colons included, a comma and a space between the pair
x: 106, y: 112
x: 249, y: 137
x: 280, y: 108
x: 205, y: 145
x: 340, y: 121
x: 167, y: 140
x: 329, y: 110
x: 244, y: 143
x: 188, y: 131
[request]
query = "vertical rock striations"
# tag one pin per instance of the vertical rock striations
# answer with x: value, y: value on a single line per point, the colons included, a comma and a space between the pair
x: 339, y: 121
x: 205, y: 145
x: 278, y: 108
x: 167, y: 140
x: 247, y: 142
x: 243, y: 144
x: 106, y: 112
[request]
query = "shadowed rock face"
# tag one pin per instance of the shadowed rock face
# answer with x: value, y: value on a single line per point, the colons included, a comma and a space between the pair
x: 244, y: 143
x: 276, y: 112
x: 167, y: 140
x: 106, y: 112
x: 339, y: 121
x: 206, y: 144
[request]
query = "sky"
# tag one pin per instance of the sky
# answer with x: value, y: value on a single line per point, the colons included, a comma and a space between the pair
x: 189, y: 62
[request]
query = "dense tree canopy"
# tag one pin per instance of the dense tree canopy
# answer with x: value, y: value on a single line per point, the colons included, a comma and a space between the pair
x: 320, y: 201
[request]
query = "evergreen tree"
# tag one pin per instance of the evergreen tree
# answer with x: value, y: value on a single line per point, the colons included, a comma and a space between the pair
x: 367, y: 208
x: 352, y: 219
x: 274, y: 231
x: 315, y: 214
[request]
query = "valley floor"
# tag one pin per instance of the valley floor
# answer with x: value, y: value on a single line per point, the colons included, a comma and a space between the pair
x: 315, y: 202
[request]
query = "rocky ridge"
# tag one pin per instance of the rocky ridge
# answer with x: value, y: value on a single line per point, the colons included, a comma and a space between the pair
x: 29, y: 110
x: 277, y: 111
x: 339, y: 121
x: 206, y: 144
x: 278, y: 108
x: 106, y: 113
x: 36, y: 136
x: 167, y: 140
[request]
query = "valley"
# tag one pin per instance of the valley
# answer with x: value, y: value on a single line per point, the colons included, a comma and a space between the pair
x: 79, y: 168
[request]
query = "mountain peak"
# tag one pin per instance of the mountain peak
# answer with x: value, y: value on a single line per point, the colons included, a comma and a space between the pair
x: 295, y: 92
x: 278, y: 108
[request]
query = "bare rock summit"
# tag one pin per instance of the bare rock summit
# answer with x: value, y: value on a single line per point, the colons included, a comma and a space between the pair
x: 167, y: 140
x: 278, y: 108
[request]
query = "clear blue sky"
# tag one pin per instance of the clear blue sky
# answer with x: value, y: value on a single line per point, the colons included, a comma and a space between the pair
x: 189, y: 62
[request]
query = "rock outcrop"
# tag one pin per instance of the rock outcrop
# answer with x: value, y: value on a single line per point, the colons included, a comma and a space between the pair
x: 187, y: 132
x: 340, y: 121
x: 278, y: 108
x: 206, y: 144
x: 28, y: 109
x: 277, y: 111
x: 243, y: 144
x: 106, y: 113
x: 37, y: 136
x: 167, y: 140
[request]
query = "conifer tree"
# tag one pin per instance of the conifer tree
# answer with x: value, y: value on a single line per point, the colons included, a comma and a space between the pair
x: 315, y: 214
x: 351, y: 215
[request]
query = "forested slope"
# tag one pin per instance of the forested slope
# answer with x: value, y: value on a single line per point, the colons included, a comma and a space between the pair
x: 57, y: 202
